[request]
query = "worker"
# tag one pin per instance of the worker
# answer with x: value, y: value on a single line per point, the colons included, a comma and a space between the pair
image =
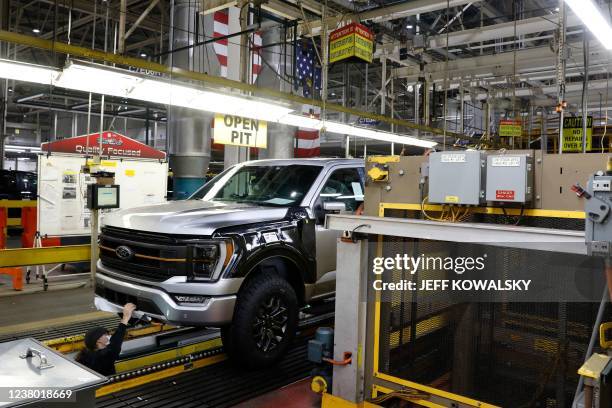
x: 102, y: 350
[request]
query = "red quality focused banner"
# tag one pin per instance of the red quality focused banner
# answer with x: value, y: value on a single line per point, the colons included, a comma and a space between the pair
x: 113, y: 144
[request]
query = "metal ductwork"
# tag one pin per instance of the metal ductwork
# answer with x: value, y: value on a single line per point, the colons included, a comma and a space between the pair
x: 280, y: 137
x: 189, y: 130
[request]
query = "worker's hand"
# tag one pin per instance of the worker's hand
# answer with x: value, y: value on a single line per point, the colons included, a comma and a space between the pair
x: 128, y: 309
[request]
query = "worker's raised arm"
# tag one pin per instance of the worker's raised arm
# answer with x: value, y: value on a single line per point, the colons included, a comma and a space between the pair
x: 116, y: 340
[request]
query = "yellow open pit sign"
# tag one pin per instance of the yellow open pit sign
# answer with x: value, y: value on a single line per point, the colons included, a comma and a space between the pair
x: 240, y: 131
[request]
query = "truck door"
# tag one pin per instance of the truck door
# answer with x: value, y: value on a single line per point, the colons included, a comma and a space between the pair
x: 341, y: 192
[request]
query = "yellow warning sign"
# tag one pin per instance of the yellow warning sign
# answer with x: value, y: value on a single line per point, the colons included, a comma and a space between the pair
x: 572, y: 134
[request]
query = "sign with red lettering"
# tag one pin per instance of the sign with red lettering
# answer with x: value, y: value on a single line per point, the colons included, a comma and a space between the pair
x: 504, y: 194
x: 353, y: 41
x: 113, y: 145
x: 510, y: 128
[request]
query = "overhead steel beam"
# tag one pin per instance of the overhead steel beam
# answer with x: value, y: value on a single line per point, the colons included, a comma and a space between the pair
x: 278, y: 7
x: 496, y: 65
x: 140, y: 18
x: 210, y: 6
x: 387, y: 13
x: 455, y: 17
x: 544, y: 90
x: 502, y: 30
x: 144, y: 43
x: 87, y: 6
x: 408, y: 8
x: 284, y: 10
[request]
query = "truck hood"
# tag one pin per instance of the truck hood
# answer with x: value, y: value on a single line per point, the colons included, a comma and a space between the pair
x: 191, y: 217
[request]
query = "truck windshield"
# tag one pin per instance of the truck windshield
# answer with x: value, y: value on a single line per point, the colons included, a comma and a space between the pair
x: 262, y: 185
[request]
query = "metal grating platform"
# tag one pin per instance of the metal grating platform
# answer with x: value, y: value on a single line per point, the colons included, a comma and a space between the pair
x: 218, y: 385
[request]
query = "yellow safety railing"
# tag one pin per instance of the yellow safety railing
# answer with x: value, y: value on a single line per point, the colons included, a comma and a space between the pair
x: 400, y: 382
x: 44, y: 256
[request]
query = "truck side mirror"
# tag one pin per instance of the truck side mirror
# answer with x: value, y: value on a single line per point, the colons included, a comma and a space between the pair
x: 332, y: 206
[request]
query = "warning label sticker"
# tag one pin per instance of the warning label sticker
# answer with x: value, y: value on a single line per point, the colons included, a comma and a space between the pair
x: 504, y: 194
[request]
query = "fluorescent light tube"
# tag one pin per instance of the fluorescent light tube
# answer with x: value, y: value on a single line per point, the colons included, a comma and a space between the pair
x: 593, y: 19
x: 22, y: 148
x: 345, y: 129
x: 20, y: 71
x: 124, y: 84
x: 293, y: 119
x: 342, y: 128
x: 110, y: 81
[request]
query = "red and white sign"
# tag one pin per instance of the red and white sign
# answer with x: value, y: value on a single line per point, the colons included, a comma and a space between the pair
x: 113, y: 145
x: 353, y: 28
x: 504, y: 194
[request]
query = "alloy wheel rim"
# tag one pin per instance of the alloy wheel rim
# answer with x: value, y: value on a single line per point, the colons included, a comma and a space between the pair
x: 270, y: 325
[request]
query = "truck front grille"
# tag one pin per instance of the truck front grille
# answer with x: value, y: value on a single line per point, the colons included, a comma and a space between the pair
x: 154, y: 257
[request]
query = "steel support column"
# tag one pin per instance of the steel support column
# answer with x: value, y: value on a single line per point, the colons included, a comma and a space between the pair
x: 350, y: 321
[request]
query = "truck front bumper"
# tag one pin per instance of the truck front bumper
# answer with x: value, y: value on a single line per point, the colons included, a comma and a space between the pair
x: 111, y: 293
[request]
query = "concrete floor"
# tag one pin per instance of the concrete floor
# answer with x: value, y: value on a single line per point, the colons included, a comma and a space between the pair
x: 24, y: 311
x: 296, y: 395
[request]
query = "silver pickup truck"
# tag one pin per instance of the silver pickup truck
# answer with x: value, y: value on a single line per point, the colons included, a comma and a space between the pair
x: 244, y: 253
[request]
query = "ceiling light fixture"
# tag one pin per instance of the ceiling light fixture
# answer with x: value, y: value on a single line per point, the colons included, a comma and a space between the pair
x: 124, y: 84
x: 22, y: 149
x: 19, y: 71
x: 593, y: 18
x: 345, y: 129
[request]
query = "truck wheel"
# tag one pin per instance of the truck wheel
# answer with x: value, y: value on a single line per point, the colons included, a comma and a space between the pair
x: 265, y: 322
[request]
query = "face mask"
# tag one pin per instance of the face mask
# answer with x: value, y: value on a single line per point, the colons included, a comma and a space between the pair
x: 104, y: 340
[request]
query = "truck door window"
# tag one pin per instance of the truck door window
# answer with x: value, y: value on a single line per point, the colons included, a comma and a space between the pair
x: 343, y: 185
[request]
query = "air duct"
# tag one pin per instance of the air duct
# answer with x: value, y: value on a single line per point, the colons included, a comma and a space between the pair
x: 189, y: 130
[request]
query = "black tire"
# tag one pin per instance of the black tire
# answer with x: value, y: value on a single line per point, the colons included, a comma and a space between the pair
x: 264, y: 324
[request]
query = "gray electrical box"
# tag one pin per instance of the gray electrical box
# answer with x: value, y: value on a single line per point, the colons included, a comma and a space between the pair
x: 456, y: 177
x: 509, y: 178
x: 598, y: 220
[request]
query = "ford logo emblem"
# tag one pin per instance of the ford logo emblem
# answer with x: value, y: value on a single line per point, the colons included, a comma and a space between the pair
x: 124, y: 253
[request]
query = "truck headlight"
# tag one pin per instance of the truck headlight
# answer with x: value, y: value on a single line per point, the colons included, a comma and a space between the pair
x: 206, y: 259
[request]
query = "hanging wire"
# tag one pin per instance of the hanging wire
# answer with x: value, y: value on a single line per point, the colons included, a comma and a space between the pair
x: 603, y: 137
x: 446, y: 81
x: 514, y: 6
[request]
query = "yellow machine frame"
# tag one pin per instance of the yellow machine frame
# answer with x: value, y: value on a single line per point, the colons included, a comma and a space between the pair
x: 377, y: 374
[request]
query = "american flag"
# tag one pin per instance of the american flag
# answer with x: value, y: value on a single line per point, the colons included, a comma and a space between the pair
x: 221, y: 29
x: 307, y: 141
x: 307, y: 72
